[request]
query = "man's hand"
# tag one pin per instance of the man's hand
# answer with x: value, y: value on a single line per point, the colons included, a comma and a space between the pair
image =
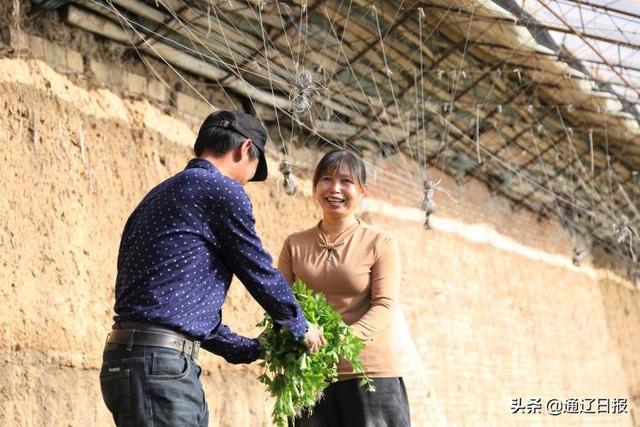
x: 314, y: 339
x: 261, y: 339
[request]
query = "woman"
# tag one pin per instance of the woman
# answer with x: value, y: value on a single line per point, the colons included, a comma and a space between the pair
x: 357, y: 267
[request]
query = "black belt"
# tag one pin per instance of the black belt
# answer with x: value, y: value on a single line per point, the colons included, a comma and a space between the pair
x: 132, y: 337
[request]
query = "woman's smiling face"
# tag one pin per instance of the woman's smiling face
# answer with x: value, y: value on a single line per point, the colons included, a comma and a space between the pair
x: 338, y: 193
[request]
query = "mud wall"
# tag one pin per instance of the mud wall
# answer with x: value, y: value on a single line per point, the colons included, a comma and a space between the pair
x: 492, y: 309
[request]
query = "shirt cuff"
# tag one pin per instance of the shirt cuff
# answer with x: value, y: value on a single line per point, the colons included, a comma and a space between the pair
x: 301, y: 336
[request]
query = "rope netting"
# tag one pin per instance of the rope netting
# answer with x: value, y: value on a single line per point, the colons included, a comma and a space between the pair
x: 498, y: 91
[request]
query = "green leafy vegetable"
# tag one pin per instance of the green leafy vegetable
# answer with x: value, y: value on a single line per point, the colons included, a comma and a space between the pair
x: 296, y: 378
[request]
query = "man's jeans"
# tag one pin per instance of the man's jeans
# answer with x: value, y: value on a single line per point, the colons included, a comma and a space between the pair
x: 152, y: 386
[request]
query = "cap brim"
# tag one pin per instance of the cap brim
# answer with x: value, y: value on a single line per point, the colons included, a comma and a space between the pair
x: 261, y: 171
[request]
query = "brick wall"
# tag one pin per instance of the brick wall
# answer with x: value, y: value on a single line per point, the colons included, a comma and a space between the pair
x: 491, y: 307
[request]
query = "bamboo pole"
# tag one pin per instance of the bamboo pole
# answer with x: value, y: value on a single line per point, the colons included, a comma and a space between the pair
x: 262, y: 72
x: 234, y: 52
x: 106, y: 28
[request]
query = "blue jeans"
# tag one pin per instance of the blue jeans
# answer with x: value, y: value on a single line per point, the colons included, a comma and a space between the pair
x: 152, y: 386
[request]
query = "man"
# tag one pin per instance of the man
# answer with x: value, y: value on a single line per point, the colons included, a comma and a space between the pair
x: 179, y: 250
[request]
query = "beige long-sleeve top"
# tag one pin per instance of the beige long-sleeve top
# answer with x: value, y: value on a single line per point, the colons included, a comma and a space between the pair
x: 359, y: 273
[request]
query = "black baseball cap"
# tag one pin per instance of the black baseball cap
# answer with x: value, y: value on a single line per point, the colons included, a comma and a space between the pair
x: 244, y: 124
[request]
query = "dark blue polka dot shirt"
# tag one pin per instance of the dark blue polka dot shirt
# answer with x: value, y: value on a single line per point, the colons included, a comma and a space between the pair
x: 179, y: 251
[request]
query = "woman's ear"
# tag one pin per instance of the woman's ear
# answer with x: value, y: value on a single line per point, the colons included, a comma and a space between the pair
x: 365, y: 189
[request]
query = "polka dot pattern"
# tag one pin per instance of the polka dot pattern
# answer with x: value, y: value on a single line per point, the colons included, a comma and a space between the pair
x: 181, y: 247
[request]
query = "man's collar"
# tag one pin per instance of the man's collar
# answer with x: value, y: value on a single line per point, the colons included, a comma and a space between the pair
x: 203, y: 164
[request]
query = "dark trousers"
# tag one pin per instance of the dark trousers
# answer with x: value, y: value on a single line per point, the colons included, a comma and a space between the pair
x: 152, y: 386
x: 347, y: 404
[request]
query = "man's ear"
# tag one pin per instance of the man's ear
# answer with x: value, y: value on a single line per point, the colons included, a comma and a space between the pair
x: 242, y: 150
x: 246, y: 146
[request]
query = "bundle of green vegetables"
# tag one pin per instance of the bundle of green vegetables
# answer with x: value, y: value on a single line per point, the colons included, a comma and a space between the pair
x: 295, y: 377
